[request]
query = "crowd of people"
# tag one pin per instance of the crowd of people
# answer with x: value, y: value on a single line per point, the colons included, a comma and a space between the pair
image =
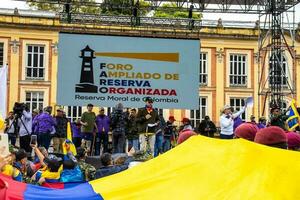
x: 274, y: 133
x: 137, y: 135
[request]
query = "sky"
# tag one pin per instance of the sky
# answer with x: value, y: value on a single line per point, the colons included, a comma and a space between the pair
x: 211, y: 16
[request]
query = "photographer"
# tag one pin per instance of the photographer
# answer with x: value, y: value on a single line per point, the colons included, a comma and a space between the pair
x: 207, y: 127
x: 11, y: 128
x: 25, y: 129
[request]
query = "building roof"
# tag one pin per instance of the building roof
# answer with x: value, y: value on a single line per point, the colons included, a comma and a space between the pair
x: 28, y: 13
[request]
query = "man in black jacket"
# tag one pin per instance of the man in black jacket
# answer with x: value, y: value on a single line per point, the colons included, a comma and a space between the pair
x: 207, y: 127
x: 147, y: 119
x: 61, y: 130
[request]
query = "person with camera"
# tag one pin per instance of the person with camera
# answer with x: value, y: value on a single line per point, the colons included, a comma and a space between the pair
x: 25, y: 129
x: 207, y: 127
x: 44, y: 126
x: 11, y: 128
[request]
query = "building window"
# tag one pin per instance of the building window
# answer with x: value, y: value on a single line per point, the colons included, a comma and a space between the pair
x: 197, y: 115
x: 203, y: 69
x: 238, y: 104
x: 279, y: 77
x: 74, y: 113
x: 238, y: 70
x: 1, y: 54
x: 34, y: 100
x: 35, y: 63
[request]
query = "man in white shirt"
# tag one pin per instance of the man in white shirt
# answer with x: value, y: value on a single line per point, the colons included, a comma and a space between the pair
x: 227, y: 121
x: 25, y: 130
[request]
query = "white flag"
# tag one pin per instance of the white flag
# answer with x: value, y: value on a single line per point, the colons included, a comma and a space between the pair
x: 3, y: 91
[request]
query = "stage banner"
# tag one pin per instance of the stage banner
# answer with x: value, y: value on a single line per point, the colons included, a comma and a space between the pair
x: 106, y: 70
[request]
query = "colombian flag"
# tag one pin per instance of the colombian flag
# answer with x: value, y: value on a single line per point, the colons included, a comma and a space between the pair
x: 200, y: 168
x: 293, y: 120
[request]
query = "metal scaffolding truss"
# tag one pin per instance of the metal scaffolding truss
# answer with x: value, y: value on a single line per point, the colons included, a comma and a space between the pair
x: 215, y: 6
x: 277, y: 56
x: 108, y: 20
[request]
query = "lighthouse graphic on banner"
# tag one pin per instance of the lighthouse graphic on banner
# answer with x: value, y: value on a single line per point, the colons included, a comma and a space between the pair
x: 86, y: 84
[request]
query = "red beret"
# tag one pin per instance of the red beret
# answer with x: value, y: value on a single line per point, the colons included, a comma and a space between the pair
x: 246, y: 131
x: 270, y: 135
x: 293, y: 140
x: 184, y: 135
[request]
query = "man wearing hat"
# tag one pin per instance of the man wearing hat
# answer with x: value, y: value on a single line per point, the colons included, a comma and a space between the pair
x: 207, y: 127
x: 147, y: 120
x: 88, y: 127
x: 277, y: 118
x: 61, y: 130
x: 103, y: 124
x: 227, y: 121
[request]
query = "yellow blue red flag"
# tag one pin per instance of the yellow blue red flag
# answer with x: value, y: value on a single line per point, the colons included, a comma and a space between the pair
x: 293, y: 120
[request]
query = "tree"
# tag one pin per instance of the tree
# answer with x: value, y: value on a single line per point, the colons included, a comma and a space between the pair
x: 166, y: 12
x: 90, y: 7
x: 124, y: 7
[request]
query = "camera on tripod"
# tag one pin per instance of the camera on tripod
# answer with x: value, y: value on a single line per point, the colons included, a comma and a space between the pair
x: 19, y: 108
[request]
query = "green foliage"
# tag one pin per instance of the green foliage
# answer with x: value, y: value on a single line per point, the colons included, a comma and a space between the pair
x: 117, y: 7
x: 166, y: 12
x: 123, y: 7
x: 75, y: 7
x: 44, y: 6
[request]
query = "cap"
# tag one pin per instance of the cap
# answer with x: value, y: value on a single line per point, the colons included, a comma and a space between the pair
x: 60, y: 109
x: 149, y: 99
x: 171, y: 118
x: 101, y: 109
x: 185, y: 120
x: 68, y: 141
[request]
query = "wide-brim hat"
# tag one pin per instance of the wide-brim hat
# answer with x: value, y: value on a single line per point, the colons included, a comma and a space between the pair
x: 35, y: 110
x: 226, y: 107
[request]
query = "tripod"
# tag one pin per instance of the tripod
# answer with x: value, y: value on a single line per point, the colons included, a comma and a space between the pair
x: 15, y: 121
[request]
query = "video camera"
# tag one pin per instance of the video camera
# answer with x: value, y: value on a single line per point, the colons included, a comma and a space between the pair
x: 18, y: 108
